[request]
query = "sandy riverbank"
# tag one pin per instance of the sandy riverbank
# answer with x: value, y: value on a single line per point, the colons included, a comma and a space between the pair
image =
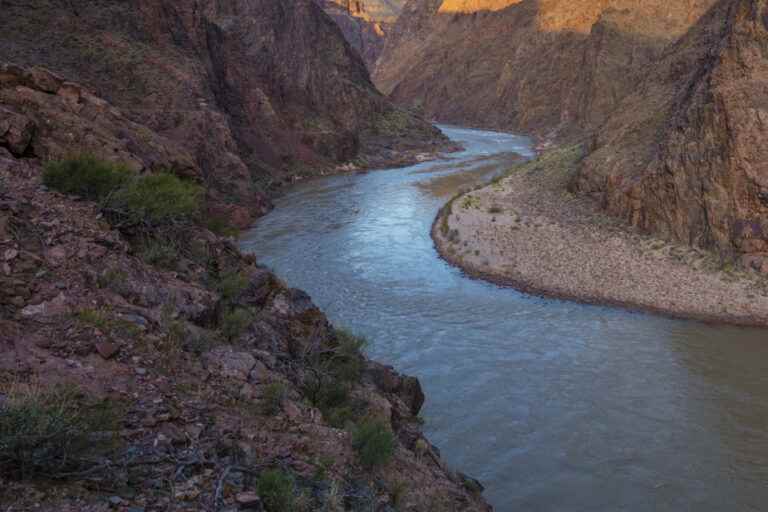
x: 527, y: 231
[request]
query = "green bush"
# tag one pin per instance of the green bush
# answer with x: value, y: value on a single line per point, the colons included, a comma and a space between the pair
x: 86, y: 176
x: 234, y: 322
x: 274, y: 395
x: 347, y: 361
x: 157, y: 199
x: 153, y: 199
x: 160, y: 251
x: 231, y: 285
x: 275, y: 488
x: 374, y: 443
x: 52, y: 433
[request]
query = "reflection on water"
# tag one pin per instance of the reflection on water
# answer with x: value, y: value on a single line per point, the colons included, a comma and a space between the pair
x: 554, y: 406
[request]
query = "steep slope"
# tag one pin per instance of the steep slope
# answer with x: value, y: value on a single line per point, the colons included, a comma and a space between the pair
x: 256, y: 91
x: 204, y: 371
x: 684, y: 155
x: 365, y: 25
x: 551, y: 67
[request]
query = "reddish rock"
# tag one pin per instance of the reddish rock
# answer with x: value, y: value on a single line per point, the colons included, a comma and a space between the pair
x: 106, y: 349
x: 270, y: 90
x: 683, y: 156
x: 229, y: 363
x: 249, y: 501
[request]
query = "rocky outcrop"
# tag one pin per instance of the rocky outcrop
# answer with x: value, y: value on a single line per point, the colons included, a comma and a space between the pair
x: 364, y: 30
x: 670, y: 96
x: 683, y: 156
x: 257, y: 93
x: 554, y: 68
x: 203, y: 368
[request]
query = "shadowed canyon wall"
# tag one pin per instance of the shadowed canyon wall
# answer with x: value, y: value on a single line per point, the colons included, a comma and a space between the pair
x: 551, y: 67
x: 364, y: 23
x: 256, y: 91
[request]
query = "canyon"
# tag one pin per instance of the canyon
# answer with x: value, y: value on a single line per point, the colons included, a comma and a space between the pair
x: 364, y: 23
x: 257, y: 94
x: 667, y: 97
x: 133, y: 332
x: 139, y: 139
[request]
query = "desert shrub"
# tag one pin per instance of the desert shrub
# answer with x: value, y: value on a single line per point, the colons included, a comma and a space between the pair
x: 275, y: 487
x: 52, y: 433
x: 373, y: 442
x: 157, y: 199
x: 86, y: 176
x: 160, y: 251
x: 331, y: 376
x: 113, y: 279
x: 221, y: 226
x: 347, y: 361
x: 129, y: 198
x: 234, y: 322
x: 231, y: 285
x: 274, y: 396
x: 104, y: 321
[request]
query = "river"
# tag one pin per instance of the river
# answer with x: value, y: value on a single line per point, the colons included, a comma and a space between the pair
x: 552, y: 405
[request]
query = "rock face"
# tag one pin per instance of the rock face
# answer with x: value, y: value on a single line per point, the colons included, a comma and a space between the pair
x: 550, y: 67
x: 365, y: 24
x: 203, y: 400
x: 671, y: 94
x: 256, y: 92
x: 685, y: 154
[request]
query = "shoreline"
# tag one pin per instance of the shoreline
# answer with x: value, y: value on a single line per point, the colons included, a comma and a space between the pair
x: 577, y: 220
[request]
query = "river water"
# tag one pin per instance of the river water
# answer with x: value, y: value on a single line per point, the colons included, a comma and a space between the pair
x: 553, y: 405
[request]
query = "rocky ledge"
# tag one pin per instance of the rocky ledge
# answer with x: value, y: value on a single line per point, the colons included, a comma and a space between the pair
x: 528, y: 231
x: 221, y: 388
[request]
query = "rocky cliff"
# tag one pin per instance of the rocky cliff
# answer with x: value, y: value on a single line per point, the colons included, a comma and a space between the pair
x: 152, y: 366
x: 550, y: 67
x: 256, y: 92
x: 683, y: 155
x: 669, y: 94
x: 365, y: 31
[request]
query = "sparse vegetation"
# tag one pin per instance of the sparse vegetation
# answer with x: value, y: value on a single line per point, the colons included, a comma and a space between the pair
x: 231, y: 285
x: 274, y: 396
x: 129, y: 198
x: 331, y: 377
x: 234, y: 322
x: 104, y: 321
x: 394, y: 122
x: 157, y: 199
x: 374, y: 443
x: 221, y: 226
x: 160, y: 251
x: 275, y: 487
x: 112, y: 279
x: 86, y: 176
x: 52, y: 433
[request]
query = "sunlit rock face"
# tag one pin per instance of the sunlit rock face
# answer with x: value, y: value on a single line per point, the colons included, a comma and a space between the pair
x: 379, y: 11
x: 470, y: 6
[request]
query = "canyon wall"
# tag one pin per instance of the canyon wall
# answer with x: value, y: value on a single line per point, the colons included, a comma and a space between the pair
x: 551, y: 67
x: 669, y: 95
x: 258, y: 92
x: 364, y: 23
x: 684, y: 155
